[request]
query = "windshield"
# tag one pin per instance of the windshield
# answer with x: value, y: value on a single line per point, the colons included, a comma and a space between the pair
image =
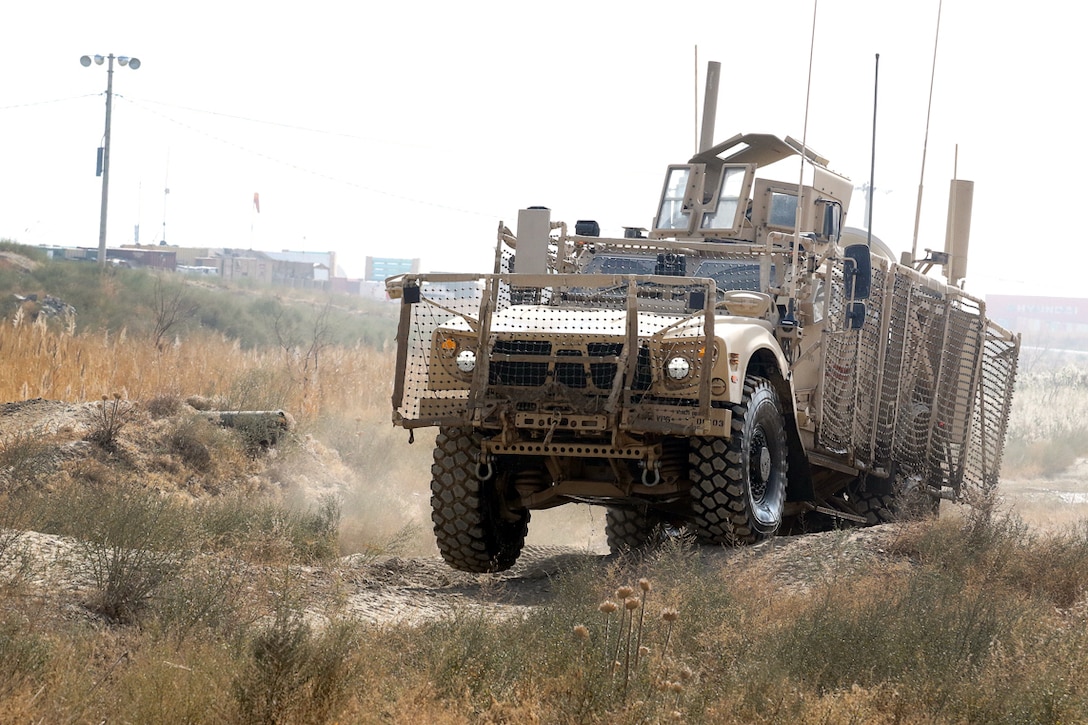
x: 724, y: 215
x: 783, y: 209
x: 671, y: 215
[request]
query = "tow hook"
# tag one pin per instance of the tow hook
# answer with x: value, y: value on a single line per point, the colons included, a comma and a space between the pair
x: 651, y: 476
x: 484, y: 470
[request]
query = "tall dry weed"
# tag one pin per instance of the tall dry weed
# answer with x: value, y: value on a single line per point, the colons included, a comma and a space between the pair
x: 1048, y: 426
x: 41, y: 361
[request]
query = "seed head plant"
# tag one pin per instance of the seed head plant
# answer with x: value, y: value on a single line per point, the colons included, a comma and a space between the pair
x: 627, y: 656
x: 114, y: 413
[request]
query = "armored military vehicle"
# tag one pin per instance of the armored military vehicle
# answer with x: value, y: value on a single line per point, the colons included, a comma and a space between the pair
x: 745, y: 363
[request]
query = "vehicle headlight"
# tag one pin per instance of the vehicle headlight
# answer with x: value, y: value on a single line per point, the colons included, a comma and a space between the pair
x: 466, y: 361
x: 678, y: 368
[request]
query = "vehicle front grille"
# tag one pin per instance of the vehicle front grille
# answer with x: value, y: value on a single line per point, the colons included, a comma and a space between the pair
x: 534, y: 363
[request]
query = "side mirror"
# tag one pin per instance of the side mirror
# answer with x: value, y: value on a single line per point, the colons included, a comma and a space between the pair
x: 857, y: 272
x: 855, y: 315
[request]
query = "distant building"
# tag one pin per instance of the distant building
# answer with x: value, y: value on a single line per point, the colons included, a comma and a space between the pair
x: 378, y: 268
x: 322, y: 260
x: 1020, y: 312
x: 144, y: 257
x: 305, y: 270
x: 1059, y: 322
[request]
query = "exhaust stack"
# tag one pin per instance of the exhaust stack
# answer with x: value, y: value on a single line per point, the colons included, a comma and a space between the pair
x: 710, y: 104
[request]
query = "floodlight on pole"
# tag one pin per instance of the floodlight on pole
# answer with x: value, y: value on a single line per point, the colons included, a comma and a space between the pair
x: 132, y: 63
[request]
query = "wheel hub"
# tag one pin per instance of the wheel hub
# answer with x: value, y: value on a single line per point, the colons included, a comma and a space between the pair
x: 764, y: 463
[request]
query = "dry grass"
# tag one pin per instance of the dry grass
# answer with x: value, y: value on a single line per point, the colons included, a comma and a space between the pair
x: 1048, y: 428
x: 1045, y: 471
x: 40, y: 361
x: 344, y: 444
x: 975, y: 618
x: 979, y: 621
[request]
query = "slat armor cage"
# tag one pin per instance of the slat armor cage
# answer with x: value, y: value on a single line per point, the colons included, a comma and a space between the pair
x: 932, y: 402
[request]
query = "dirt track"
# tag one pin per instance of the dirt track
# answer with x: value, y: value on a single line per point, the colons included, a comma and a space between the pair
x: 395, y: 589
x: 412, y: 590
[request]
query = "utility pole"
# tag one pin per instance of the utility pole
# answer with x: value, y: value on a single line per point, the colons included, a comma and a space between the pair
x: 132, y: 63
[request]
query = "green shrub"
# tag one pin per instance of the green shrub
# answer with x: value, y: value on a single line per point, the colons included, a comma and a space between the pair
x: 131, y: 542
x: 32, y: 253
x: 267, y: 530
x: 24, y: 656
x: 25, y: 458
x: 163, y: 406
x: 261, y: 389
x: 295, y: 673
x: 205, y: 597
x: 193, y: 439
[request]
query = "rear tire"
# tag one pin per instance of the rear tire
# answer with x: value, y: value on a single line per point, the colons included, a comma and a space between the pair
x: 907, y: 501
x: 472, y: 532
x: 739, y: 484
x: 630, y: 529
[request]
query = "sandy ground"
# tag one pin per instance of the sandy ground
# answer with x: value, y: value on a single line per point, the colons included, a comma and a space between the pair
x: 413, y: 589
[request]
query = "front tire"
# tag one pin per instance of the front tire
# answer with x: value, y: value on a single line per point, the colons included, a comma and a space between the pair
x: 474, y: 529
x: 739, y: 485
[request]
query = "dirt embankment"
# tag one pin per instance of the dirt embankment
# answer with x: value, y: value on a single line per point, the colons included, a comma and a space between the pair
x: 412, y: 590
x: 390, y: 589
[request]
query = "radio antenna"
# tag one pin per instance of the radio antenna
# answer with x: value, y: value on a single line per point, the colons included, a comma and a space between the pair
x: 804, y: 153
x: 925, y: 142
x: 872, y: 159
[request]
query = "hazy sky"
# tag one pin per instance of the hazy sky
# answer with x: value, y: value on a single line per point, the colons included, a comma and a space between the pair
x: 412, y: 129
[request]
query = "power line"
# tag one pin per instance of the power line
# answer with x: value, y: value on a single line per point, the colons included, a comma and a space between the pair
x: 43, y: 103
x: 278, y: 124
x: 298, y: 167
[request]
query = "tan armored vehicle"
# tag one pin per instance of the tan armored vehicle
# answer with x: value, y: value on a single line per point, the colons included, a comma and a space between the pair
x: 744, y: 364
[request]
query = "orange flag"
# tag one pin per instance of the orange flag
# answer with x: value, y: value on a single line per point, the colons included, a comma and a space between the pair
x: 257, y: 202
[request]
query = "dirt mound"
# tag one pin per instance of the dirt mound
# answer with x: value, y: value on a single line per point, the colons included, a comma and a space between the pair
x: 379, y: 589
x: 11, y: 260
x: 414, y: 590
x: 45, y: 417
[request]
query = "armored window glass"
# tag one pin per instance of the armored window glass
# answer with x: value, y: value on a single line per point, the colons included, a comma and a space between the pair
x: 724, y: 215
x: 783, y: 211
x: 672, y: 215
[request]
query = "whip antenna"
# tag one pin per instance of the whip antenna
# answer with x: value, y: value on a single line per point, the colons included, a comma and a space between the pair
x: 804, y: 153
x: 925, y: 142
x: 872, y: 159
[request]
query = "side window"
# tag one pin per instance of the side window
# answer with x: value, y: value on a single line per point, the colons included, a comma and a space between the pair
x: 783, y: 211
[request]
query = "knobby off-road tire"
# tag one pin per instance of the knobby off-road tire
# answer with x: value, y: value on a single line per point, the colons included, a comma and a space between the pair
x: 739, y: 484
x: 905, y: 502
x: 471, y: 532
x: 630, y: 528
x: 877, y: 508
